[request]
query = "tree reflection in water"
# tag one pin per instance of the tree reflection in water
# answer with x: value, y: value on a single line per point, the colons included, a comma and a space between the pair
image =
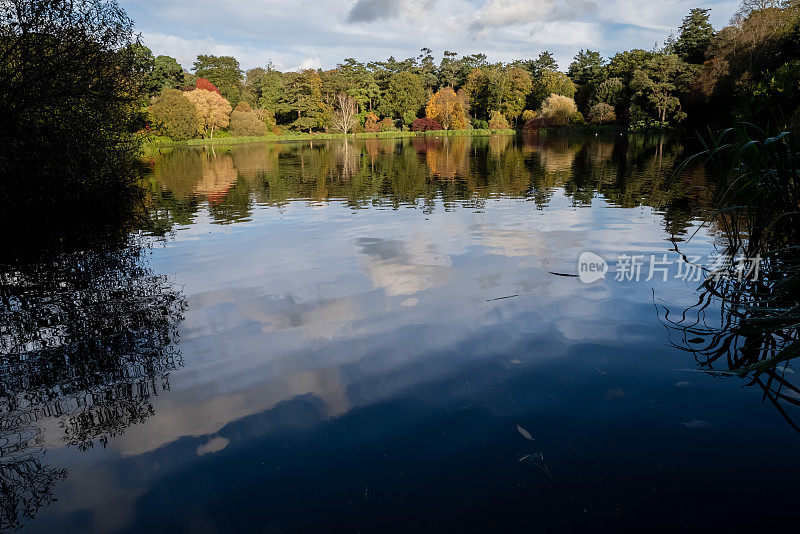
x: 86, y: 340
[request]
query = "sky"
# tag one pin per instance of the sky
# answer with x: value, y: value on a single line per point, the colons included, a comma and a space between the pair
x: 297, y: 34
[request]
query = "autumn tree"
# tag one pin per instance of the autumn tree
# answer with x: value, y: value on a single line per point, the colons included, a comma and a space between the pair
x: 497, y: 121
x: 344, y: 118
x: 602, y: 113
x: 447, y: 108
x: 212, y: 108
x: 558, y: 109
x: 245, y: 122
x: 175, y: 116
x: 206, y: 85
x: 548, y: 83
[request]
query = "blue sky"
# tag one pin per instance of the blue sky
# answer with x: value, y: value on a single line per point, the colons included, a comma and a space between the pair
x: 319, y: 33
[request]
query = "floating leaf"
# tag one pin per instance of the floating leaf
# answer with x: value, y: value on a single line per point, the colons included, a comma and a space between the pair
x: 525, y: 433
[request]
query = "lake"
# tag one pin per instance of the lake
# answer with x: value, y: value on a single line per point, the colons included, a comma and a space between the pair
x: 390, y: 335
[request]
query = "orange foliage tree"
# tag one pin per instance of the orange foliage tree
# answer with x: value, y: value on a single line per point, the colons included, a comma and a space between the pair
x: 447, y: 108
x: 213, y: 109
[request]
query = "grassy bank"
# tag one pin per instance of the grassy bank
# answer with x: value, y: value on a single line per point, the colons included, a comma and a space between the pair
x: 155, y: 142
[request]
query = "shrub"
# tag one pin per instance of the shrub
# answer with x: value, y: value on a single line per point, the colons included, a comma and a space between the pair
x: 244, y: 107
x: 425, y: 125
x: 577, y: 118
x: 535, y: 124
x: 480, y: 124
x: 246, y: 123
x: 386, y: 125
x: 558, y: 109
x: 528, y: 114
x: 498, y: 121
x: 175, y: 116
x: 267, y: 117
x: 409, y: 117
x: 602, y: 113
x: 371, y: 123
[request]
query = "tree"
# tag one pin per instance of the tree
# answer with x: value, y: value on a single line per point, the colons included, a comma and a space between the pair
x: 558, y: 109
x: 70, y: 106
x: 602, y: 113
x: 585, y: 67
x: 535, y: 67
x: 360, y: 83
x: 267, y: 117
x: 304, y: 95
x: 405, y: 94
x: 143, y: 62
x: 175, y: 116
x: 245, y: 122
x: 222, y: 71
x: 659, y: 80
x: 427, y: 69
x: 167, y: 73
x: 611, y: 91
x: 624, y: 64
x: 549, y: 83
x: 213, y: 109
x: 449, y: 69
x: 516, y: 87
x: 498, y: 121
x: 446, y: 108
x: 345, y: 116
x: 695, y: 36
x: 272, y: 93
x: 206, y: 85
x: 484, y: 87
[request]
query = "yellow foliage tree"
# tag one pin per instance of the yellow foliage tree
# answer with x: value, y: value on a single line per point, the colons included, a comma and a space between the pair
x: 447, y: 108
x: 213, y: 109
x: 558, y: 109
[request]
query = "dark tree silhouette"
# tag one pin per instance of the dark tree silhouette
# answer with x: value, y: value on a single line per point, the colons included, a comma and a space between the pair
x: 71, y: 83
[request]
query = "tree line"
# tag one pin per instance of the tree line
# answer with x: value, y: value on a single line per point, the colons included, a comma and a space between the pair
x: 747, y: 70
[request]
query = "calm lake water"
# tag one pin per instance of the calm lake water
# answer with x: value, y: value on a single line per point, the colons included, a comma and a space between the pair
x: 387, y: 336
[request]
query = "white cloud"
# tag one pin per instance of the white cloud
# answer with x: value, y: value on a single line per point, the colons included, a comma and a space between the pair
x: 297, y: 34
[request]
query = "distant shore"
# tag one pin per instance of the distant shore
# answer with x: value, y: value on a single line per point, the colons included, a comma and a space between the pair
x: 229, y: 140
x: 166, y: 142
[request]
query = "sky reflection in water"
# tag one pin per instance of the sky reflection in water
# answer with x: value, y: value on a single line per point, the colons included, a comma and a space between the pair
x: 350, y: 360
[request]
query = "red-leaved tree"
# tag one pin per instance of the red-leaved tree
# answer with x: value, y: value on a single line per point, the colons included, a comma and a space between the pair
x: 202, y: 83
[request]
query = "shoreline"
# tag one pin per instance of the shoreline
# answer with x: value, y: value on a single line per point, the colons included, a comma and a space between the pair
x: 162, y: 142
x: 168, y: 143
